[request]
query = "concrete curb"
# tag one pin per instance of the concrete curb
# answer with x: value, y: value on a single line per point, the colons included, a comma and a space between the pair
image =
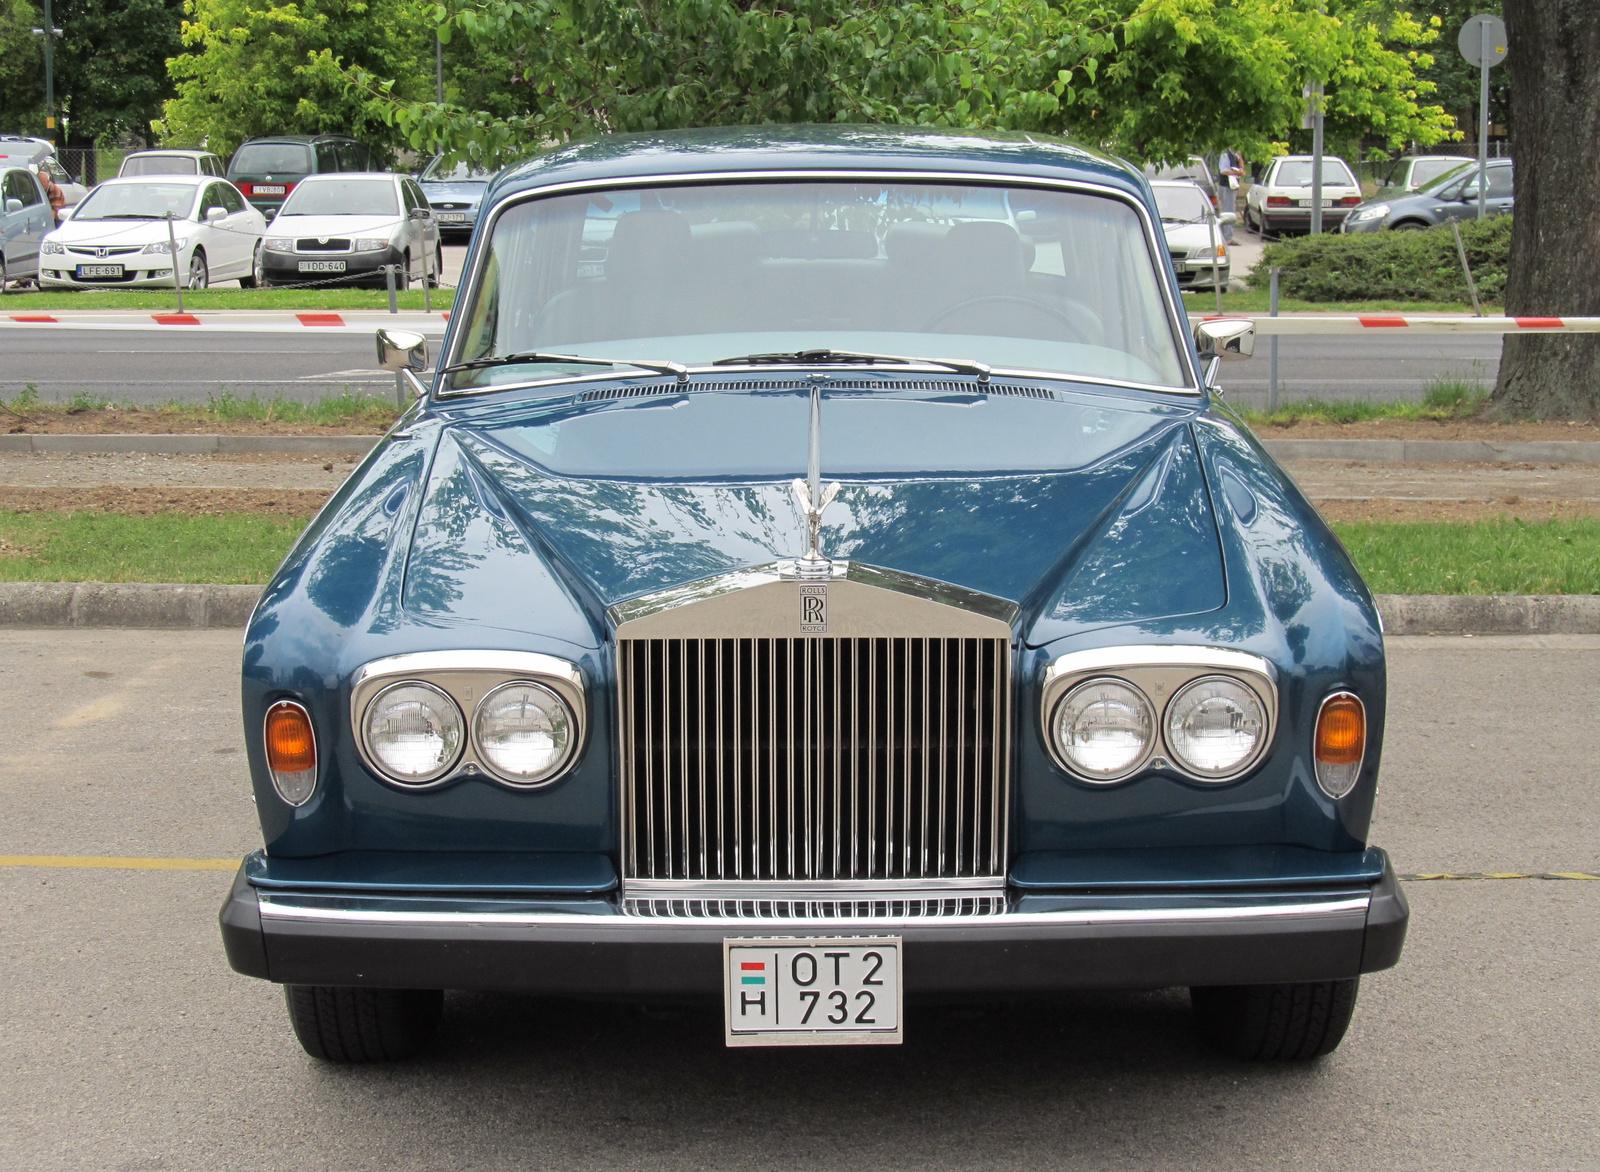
x: 191, y: 445
x: 159, y: 605
x: 1378, y: 451
x: 124, y: 604
x: 1365, y: 451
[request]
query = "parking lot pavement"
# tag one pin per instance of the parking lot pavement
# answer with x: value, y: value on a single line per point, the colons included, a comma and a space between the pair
x: 129, y: 1045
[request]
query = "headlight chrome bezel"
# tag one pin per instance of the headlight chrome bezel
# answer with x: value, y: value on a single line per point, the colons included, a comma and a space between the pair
x: 1160, y: 673
x: 468, y: 678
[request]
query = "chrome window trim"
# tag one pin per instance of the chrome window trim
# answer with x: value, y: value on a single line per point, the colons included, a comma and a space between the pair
x: 316, y: 752
x: 1160, y: 672
x: 1155, y: 247
x: 467, y: 676
x: 598, y: 924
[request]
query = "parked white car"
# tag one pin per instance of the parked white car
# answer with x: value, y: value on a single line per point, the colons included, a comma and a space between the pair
x: 119, y: 235
x: 24, y: 219
x: 1193, y: 230
x: 349, y: 226
x: 1281, y: 200
x: 172, y: 162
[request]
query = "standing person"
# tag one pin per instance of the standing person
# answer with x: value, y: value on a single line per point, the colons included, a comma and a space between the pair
x: 1230, y: 172
x: 53, y: 193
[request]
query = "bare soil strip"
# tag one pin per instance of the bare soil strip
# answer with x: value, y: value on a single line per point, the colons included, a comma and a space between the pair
x: 1428, y: 429
x: 144, y: 502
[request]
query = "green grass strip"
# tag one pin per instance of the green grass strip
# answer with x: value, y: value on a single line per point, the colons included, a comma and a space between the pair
x: 166, y: 547
x: 1504, y: 556
x: 1258, y: 301
x: 1444, y: 399
x: 1487, y: 557
x: 200, y: 300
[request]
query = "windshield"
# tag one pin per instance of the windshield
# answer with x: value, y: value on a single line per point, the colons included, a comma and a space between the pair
x: 136, y: 201
x: 343, y: 197
x: 161, y: 165
x: 1425, y: 171
x: 462, y: 172
x: 1297, y: 173
x: 272, y: 158
x: 1434, y: 186
x: 1016, y: 278
x: 1183, y: 204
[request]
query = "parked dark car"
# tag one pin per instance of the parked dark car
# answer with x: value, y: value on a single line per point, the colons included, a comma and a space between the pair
x: 820, y: 575
x: 267, y: 169
x: 1452, y: 196
x: 454, y: 192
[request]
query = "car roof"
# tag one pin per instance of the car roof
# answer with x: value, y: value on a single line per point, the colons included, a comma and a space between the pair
x: 758, y: 149
x: 163, y: 151
x: 1306, y: 159
x: 332, y: 176
x: 1177, y: 183
x: 298, y: 138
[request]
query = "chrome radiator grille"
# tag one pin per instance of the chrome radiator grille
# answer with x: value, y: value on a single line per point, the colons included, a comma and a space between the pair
x: 814, y: 758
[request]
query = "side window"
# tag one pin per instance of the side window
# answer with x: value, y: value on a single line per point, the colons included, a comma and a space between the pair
x: 327, y: 158
x: 231, y: 199
x: 354, y: 156
x: 212, y: 165
x: 213, y: 199
x: 406, y: 196
x: 418, y: 200
x: 22, y: 185
x: 1499, y: 182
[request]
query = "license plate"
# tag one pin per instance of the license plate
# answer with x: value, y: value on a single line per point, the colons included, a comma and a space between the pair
x: 322, y: 266
x: 266, y: 189
x: 451, y: 217
x: 99, y: 270
x: 1305, y: 203
x: 813, y: 991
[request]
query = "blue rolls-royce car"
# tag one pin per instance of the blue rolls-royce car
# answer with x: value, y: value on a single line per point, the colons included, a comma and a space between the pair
x: 820, y: 575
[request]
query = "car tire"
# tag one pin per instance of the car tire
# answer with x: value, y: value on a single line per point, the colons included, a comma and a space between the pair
x: 5, y: 278
x: 403, y: 277
x: 254, y: 278
x: 363, y: 1025
x: 438, y: 266
x: 1274, y: 1023
x: 1409, y: 226
x: 199, y: 273
x: 1249, y: 221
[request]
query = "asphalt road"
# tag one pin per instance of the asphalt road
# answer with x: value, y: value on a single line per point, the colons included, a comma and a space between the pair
x: 129, y: 1045
x: 151, y: 368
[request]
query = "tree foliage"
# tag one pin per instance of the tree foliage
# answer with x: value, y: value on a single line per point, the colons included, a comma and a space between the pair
x: 21, y: 69
x: 110, y: 65
x: 1157, y: 79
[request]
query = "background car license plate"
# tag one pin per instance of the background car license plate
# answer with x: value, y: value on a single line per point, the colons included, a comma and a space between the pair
x: 267, y: 189
x: 452, y: 217
x: 99, y: 270
x: 322, y: 266
x: 813, y: 992
x: 1305, y: 203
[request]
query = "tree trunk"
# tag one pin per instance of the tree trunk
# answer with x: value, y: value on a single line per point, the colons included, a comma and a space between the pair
x: 1553, y: 52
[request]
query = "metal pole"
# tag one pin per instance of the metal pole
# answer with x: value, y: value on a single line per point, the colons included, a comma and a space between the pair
x: 1316, y: 158
x: 1211, y: 226
x: 1461, y: 251
x: 438, y: 63
x: 1483, y: 116
x: 172, y: 243
x: 1272, y: 348
x: 427, y: 270
x: 49, y: 76
x: 388, y: 279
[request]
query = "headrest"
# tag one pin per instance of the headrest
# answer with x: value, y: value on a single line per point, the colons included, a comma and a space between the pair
x: 648, y: 244
x: 988, y: 246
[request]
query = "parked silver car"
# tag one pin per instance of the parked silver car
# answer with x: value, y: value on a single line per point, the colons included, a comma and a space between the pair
x: 24, y: 220
x: 350, y: 226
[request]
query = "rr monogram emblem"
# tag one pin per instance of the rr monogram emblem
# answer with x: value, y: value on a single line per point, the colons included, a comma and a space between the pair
x: 813, y: 610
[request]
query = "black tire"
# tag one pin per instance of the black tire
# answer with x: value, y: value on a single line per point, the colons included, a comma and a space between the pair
x: 1409, y: 226
x: 438, y: 265
x: 362, y: 1025
x: 255, y: 267
x: 1274, y: 1023
x: 3, y: 276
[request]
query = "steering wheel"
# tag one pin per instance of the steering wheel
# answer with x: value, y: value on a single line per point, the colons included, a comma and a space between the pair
x: 1050, y: 311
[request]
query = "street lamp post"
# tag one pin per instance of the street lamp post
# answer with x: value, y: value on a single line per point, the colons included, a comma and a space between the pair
x: 49, y: 32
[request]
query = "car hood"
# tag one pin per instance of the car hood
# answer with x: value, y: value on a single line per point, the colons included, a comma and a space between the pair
x: 1080, y: 511
x: 1181, y: 235
x: 318, y: 226
x: 455, y: 189
x: 117, y: 232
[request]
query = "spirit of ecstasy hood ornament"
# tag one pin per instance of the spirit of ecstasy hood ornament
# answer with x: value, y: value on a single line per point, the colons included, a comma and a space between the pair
x: 814, y: 498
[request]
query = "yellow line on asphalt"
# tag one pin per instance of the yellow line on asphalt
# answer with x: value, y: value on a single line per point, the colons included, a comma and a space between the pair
x: 111, y: 863
x: 1426, y: 877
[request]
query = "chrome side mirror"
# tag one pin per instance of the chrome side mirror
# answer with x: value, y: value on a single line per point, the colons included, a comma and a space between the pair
x: 1225, y: 337
x: 1228, y: 218
x: 402, y: 350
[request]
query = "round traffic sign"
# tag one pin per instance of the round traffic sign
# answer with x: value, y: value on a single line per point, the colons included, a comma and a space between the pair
x: 1483, y: 40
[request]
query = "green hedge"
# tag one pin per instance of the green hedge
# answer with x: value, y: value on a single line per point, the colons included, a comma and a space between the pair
x: 1399, y: 266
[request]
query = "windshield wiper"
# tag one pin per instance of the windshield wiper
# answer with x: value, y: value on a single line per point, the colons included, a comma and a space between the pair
x: 854, y: 357
x: 532, y: 356
x: 129, y: 216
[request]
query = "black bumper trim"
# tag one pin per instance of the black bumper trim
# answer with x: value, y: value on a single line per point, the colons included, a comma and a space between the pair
x: 586, y: 948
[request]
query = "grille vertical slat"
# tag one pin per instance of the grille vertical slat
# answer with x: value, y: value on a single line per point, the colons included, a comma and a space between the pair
x: 814, y: 758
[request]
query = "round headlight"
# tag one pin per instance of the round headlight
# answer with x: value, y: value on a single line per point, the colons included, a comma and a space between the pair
x: 1216, y: 727
x: 1104, y: 729
x: 413, y: 732
x: 524, y: 732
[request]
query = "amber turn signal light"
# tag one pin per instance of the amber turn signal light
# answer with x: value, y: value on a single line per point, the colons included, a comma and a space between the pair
x: 1341, y: 743
x: 291, y: 751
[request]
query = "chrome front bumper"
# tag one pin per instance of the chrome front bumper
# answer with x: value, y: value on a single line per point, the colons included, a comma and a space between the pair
x: 1014, y: 944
